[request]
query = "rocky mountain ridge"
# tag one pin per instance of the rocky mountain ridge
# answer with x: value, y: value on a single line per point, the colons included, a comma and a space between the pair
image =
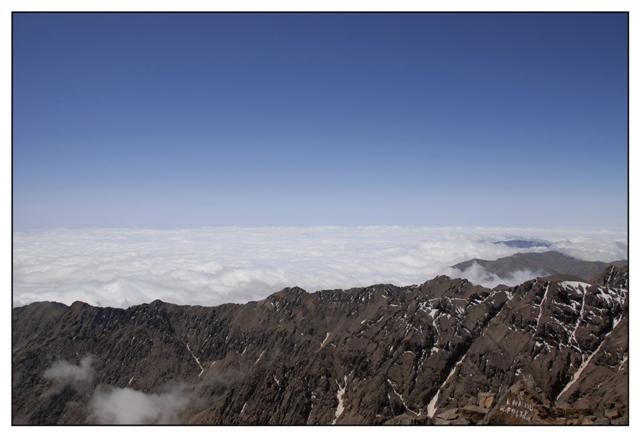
x: 548, y: 263
x: 442, y: 352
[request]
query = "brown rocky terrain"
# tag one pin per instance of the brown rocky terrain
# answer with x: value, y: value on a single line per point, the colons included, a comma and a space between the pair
x: 444, y: 352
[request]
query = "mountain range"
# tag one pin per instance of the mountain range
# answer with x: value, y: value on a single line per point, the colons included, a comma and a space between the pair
x: 549, y: 263
x: 547, y: 351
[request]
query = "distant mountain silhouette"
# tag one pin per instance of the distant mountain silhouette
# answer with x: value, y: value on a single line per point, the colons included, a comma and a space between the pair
x: 524, y: 244
x: 546, y: 263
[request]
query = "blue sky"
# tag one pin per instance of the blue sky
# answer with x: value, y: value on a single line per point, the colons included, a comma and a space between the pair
x: 192, y: 120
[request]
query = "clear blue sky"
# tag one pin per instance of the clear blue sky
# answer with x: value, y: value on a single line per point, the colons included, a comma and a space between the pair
x: 164, y: 120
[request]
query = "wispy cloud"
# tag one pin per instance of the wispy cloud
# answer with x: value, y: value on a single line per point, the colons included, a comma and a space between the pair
x: 64, y: 372
x: 479, y: 275
x: 120, y: 267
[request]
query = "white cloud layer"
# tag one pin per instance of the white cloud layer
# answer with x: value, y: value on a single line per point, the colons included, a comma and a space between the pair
x: 122, y: 406
x: 122, y: 267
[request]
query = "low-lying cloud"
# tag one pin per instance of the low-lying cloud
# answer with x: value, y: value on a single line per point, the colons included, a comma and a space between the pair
x: 122, y: 267
x: 126, y: 406
x: 64, y: 372
x: 480, y: 275
x: 117, y: 405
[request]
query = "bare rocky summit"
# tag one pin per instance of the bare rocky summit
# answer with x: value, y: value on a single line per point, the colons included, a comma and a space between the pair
x: 444, y: 352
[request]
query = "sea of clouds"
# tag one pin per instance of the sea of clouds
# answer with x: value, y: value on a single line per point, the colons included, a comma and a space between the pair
x: 210, y: 266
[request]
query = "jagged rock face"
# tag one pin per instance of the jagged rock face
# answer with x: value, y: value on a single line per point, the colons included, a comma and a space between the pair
x: 446, y: 351
x: 614, y: 276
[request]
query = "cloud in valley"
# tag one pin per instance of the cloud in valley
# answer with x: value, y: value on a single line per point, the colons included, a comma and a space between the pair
x: 122, y: 267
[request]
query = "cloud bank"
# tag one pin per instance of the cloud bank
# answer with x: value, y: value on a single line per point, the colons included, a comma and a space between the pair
x: 123, y: 267
x: 122, y: 406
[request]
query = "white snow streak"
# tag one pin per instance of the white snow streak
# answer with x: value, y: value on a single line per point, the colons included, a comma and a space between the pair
x: 609, y: 277
x: 541, y: 306
x: 340, y: 396
x: 585, y: 363
x: 431, y: 407
x: 401, y: 398
x: 326, y: 339
x: 196, y: 359
x: 576, y: 285
x: 259, y: 358
x: 580, y: 318
x: 624, y: 360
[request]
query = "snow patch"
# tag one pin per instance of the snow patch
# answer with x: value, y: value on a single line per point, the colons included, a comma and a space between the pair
x: 544, y: 299
x: 575, y: 285
x: 196, y: 359
x: 326, y: 339
x: 576, y: 376
x: 340, y: 396
x: 401, y: 398
x: 259, y: 358
x: 431, y: 407
x: 572, y: 337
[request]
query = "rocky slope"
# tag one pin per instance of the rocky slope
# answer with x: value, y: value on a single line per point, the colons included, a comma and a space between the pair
x: 443, y: 352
